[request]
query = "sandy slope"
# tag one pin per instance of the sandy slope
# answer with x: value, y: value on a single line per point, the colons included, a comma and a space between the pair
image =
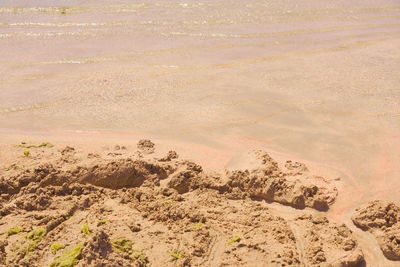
x: 169, y: 211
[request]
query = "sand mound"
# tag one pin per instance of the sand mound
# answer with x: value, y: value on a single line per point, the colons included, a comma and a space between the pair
x: 128, y: 209
x: 327, y: 243
x: 121, y: 173
x: 382, y: 219
x: 292, y: 185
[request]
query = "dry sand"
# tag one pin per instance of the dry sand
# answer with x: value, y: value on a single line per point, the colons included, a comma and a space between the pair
x: 315, y: 82
x: 169, y: 209
x: 137, y: 206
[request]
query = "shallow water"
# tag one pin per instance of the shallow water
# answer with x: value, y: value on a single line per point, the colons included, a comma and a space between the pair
x: 317, y: 80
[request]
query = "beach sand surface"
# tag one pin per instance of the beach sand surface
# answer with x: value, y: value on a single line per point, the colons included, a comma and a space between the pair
x: 314, y: 82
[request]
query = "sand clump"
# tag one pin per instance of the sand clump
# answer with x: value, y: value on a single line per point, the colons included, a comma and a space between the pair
x: 146, y: 146
x: 382, y: 219
x: 264, y: 180
x: 168, y: 211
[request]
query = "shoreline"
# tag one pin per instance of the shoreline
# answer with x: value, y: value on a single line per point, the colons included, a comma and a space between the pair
x: 211, y: 157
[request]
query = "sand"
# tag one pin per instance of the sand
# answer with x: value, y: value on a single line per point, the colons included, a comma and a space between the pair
x: 136, y: 206
x: 275, y: 126
x: 382, y: 219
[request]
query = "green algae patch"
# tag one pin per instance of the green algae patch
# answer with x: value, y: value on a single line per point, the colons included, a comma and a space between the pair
x: 234, y: 240
x: 34, y: 238
x: 27, y: 153
x: 85, y: 229
x: 167, y: 202
x: 56, y: 247
x: 140, y: 257
x: 123, y: 245
x: 14, y: 167
x: 15, y: 230
x: 46, y: 144
x: 197, y: 226
x: 69, y: 258
x: 177, y: 255
x: 36, y: 235
x: 101, y: 222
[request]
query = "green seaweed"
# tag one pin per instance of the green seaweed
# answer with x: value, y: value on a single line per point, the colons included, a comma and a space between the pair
x: 123, y: 245
x: 197, y: 226
x: 56, y: 247
x: 140, y: 257
x: 32, y: 239
x: 15, y: 230
x: 85, y: 229
x: 69, y: 258
x: 167, y: 202
x: 46, y: 144
x: 177, y: 255
x: 234, y: 239
x: 27, y: 153
x: 13, y: 167
x: 35, y: 237
x: 101, y: 222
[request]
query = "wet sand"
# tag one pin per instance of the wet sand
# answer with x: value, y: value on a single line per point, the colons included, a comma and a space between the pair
x: 318, y: 81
